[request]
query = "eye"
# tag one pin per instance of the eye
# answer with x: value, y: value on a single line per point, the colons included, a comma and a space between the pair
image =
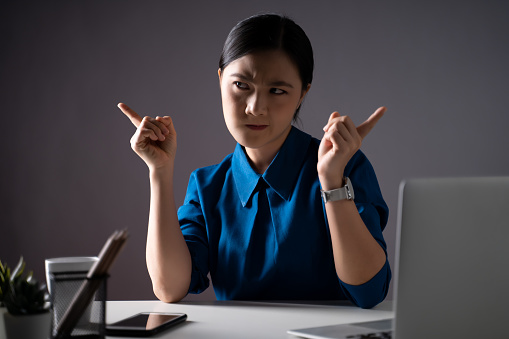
x: 278, y: 91
x: 241, y: 85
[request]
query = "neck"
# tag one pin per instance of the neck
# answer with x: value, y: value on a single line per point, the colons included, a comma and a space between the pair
x: 261, y: 157
x: 258, y: 160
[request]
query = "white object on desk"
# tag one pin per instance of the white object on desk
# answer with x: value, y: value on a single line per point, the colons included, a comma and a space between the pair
x: 67, y: 264
x: 64, y: 293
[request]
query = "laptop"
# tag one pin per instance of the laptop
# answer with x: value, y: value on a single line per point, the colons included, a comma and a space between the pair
x: 452, y: 269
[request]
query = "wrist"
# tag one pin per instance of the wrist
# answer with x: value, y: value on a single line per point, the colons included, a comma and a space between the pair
x: 161, y: 174
x: 331, y: 183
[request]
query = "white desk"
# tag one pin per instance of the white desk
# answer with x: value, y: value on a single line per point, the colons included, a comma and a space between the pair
x: 236, y: 319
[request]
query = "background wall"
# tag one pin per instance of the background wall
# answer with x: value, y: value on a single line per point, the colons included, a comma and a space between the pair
x: 69, y: 178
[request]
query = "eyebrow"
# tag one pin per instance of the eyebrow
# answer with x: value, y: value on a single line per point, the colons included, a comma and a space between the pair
x: 278, y: 83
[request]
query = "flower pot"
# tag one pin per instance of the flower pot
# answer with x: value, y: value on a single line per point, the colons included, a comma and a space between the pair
x: 34, y: 326
x: 2, y: 326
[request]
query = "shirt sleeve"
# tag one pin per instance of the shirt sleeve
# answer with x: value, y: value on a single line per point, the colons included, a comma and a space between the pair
x: 371, y: 293
x: 374, y: 213
x: 192, y: 224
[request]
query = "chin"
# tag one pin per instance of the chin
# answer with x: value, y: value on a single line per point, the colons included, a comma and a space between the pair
x: 251, y: 140
x: 249, y: 143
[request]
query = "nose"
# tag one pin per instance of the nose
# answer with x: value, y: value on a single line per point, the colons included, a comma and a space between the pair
x: 256, y: 104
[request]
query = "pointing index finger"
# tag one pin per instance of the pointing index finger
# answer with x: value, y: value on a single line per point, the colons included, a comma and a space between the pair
x: 364, y: 128
x: 132, y: 115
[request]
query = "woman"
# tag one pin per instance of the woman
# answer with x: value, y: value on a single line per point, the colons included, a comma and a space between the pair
x: 257, y: 221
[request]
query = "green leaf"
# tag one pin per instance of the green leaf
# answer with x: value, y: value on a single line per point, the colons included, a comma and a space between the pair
x: 18, y: 270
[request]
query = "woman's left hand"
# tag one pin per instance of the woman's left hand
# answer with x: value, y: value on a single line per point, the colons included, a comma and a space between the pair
x: 339, y: 143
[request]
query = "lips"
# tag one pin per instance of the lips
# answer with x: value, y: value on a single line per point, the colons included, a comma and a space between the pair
x: 256, y: 127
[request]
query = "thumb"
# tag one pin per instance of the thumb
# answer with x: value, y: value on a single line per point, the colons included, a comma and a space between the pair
x: 364, y: 128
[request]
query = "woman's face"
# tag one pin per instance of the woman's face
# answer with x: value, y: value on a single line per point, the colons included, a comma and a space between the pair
x: 260, y: 93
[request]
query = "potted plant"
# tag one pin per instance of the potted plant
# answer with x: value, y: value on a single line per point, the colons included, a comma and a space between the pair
x: 2, y: 307
x: 5, y: 278
x: 27, y: 305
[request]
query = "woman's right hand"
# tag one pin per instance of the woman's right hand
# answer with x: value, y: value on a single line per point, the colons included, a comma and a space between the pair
x: 155, y: 140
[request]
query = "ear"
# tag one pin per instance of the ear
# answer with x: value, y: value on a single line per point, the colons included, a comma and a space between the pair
x: 220, y: 75
x: 303, y: 94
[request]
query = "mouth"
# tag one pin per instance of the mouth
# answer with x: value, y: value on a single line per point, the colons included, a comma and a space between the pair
x: 257, y: 127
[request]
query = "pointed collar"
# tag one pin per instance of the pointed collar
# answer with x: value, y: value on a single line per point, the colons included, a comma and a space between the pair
x: 281, y: 174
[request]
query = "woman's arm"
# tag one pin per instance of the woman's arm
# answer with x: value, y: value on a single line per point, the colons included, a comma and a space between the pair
x: 167, y: 255
x: 357, y: 255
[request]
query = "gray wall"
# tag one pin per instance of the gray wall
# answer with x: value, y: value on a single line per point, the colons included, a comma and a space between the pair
x: 68, y: 175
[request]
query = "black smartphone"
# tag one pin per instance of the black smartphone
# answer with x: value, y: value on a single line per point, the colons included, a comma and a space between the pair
x: 144, y: 324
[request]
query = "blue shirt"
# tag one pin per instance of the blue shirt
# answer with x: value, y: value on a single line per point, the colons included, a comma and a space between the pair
x: 266, y: 237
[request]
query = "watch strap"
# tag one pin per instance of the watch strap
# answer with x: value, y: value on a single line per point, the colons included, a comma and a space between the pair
x: 343, y: 193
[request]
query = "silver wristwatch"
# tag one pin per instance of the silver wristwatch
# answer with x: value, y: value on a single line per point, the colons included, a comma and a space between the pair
x: 343, y: 193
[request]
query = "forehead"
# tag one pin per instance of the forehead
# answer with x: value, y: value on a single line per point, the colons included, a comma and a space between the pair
x: 265, y: 65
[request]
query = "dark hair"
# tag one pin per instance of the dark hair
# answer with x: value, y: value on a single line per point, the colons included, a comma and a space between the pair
x: 270, y: 32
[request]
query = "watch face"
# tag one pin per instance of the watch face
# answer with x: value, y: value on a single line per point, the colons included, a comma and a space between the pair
x: 349, y: 189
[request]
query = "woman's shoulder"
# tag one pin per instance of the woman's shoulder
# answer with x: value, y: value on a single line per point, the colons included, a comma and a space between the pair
x: 212, y: 171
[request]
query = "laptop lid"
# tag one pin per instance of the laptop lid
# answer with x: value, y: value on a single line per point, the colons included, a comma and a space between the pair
x: 453, y: 259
